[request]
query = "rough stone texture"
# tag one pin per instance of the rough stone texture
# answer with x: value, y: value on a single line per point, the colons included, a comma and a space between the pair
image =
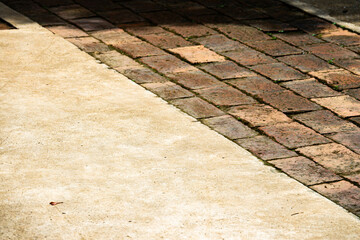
x: 333, y: 156
x: 168, y: 90
x: 89, y: 44
x: 349, y: 139
x: 278, y: 72
x: 195, y: 79
x: 344, y: 106
x: 339, y: 79
x: 248, y: 57
x: 229, y: 127
x: 306, y: 63
x: 305, y: 170
x: 225, y: 96
x: 198, y: 54
x: 275, y: 48
x: 265, y: 148
x: 259, y: 115
x: 256, y: 85
x: 67, y: 31
x: 298, y: 38
x: 310, y: 88
x: 218, y: 43
x: 167, y: 64
x: 324, y: 121
x: 226, y: 70
x: 330, y: 51
x: 294, y: 135
x: 197, y: 107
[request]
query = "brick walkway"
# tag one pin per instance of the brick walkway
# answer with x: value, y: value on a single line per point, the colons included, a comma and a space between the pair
x: 283, y: 84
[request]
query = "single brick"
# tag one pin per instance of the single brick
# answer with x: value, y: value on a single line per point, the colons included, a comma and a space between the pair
x: 265, y: 148
x: 166, y: 40
x: 92, y: 24
x: 307, y: 63
x: 298, y: 38
x: 139, y: 49
x: 310, y: 88
x: 197, y: 107
x: 344, y: 106
x: 248, y: 57
x: 305, y: 170
x: 314, y: 25
x: 167, y: 90
x: 117, y: 60
x: 67, y: 31
x: 278, y: 72
x: 89, y: 44
x: 225, y: 96
x: 114, y: 36
x: 142, y: 6
x: 333, y: 156
x: 294, y: 135
x: 120, y: 16
x: 198, y: 54
x: 270, y: 25
x: 339, y: 79
x: 164, y: 17
x: 342, y: 37
x: 256, y: 85
x: 71, y: 11
x: 167, y: 64
x: 145, y: 30
x: 195, y: 79
x: 229, y: 127
x: 275, y: 47
x: 352, y: 65
x: 259, y: 115
x: 190, y: 29
x: 218, y: 43
x: 213, y: 20
x: 227, y: 70
x: 349, y: 139
x: 143, y: 75
x: 330, y: 51
x: 343, y: 192
x: 242, y: 33
x: 354, y: 93
x: 47, y: 19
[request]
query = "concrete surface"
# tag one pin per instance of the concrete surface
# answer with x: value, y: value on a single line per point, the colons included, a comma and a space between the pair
x: 127, y: 165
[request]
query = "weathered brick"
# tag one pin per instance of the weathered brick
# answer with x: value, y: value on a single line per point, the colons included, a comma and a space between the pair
x: 241, y: 12
x: 314, y: 25
x: 114, y: 36
x: 354, y: 93
x: 167, y: 64
x: 72, y: 11
x: 164, y: 17
x: 275, y: 47
x: 67, y: 31
x: 139, y: 49
x: 117, y: 60
x: 97, y: 6
x: 166, y: 40
x: 305, y: 170
x: 229, y: 127
x: 89, y: 44
x: 329, y: 51
x: 225, y: 96
x: 145, y: 30
x: 278, y: 72
x: 197, y: 107
x: 142, y: 6
x: 352, y: 65
x: 284, y: 13
x: 227, y: 70
x: 310, y: 88
x: 198, y: 54
x: 307, y: 63
x: 349, y: 139
x: 259, y: 115
x: 242, y: 33
x: 343, y: 192
x: 256, y: 85
x: 213, y: 20
x: 92, y: 24
x: 120, y: 16
x: 47, y: 19
x: 294, y: 135
x: 248, y: 57
x: 190, y: 29
x: 167, y: 90
x: 143, y: 75
x: 356, y: 120
x: 270, y: 25
x: 298, y: 38
x: 324, y: 121
x: 195, y: 79
x: 333, y: 156
x: 342, y: 37
x: 344, y: 106
x: 354, y: 177
x: 339, y: 79
x: 265, y: 148
x: 218, y: 43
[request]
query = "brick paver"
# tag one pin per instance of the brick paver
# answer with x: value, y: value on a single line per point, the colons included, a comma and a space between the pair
x: 276, y: 80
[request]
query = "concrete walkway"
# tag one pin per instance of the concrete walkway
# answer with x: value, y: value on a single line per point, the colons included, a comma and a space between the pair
x: 125, y: 164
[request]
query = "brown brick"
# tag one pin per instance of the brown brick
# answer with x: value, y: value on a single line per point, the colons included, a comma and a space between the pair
x: 275, y: 47
x: 270, y: 25
x: 344, y: 106
x: 117, y: 60
x: 324, y: 121
x: 243, y: 33
x: 166, y: 40
x: 164, y: 17
x: 229, y: 127
x: 265, y: 148
x: 259, y: 115
x: 330, y: 51
x: 139, y: 49
x: 294, y: 135
x: 114, y: 36
x: 340, y: 79
x: 195, y: 79
x: 256, y: 85
x: 247, y: 56
x: 241, y: 12
x: 47, y: 19
x: 167, y: 64
x: 305, y: 170
x: 167, y: 90
x: 278, y: 72
x: 143, y: 75
x: 97, y: 6
x: 343, y: 192
x: 352, y: 65
x: 349, y: 139
x: 218, y: 43
x: 213, y: 20
x: 198, y: 54
x: 298, y: 38
x: 67, y: 31
x: 310, y: 88
x: 89, y: 44
x: 190, y: 29
x: 307, y: 63
x: 142, y: 6
x: 72, y: 11
x: 314, y: 25
x: 354, y: 177
x: 333, y: 156
x: 342, y: 37
x: 354, y: 93
x: 356, y: 120
x: 226, y: 70
x: 197, y: 107
x: 121, y: 16
x: 92, y: 24
x: 145, y: 30
x: 225, y: 96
